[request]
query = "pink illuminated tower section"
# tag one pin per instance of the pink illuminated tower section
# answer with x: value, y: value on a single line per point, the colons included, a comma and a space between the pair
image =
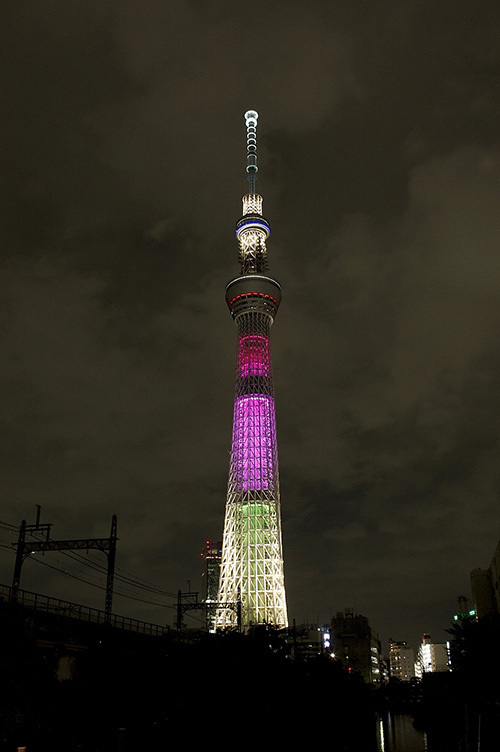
x: 251, y: 588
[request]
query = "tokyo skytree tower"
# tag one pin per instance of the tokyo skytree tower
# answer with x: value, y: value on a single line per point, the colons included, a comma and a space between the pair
x: 252, y: 587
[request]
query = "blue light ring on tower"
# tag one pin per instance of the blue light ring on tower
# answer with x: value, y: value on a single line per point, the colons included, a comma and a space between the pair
x: 252, y: 222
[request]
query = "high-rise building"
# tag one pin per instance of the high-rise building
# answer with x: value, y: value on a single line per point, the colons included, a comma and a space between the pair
x: 432, y: 657
x: 486, y: 587
x: 252, y: 588
x: 356, y: 645
x: 212, y: 557
x: 401, y: 660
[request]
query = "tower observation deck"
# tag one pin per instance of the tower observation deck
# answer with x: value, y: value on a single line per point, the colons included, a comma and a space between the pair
x: 252, y: 579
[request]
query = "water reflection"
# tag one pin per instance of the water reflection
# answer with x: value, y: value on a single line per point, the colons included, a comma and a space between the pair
x: 396, y: 733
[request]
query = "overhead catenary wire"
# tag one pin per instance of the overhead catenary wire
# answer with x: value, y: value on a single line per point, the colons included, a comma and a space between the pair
x: 118, y: 592
x: 126, y: 581
x: 92, y: 563
x: 100, y: 587
x: 100, y: 568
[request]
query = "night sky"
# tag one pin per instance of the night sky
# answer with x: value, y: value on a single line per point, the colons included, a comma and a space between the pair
x: 123, y: 166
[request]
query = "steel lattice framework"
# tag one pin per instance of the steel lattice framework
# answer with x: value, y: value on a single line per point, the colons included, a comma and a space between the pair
x: 252, y: 555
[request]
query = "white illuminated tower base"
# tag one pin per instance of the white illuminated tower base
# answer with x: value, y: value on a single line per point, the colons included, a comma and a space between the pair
x: 252, y: 588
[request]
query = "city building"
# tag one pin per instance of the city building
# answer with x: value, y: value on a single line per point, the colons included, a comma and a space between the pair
x: 432, y: 657
x: 212, y: 556
x: 357, y: 646
x: 308, y: 641
x: 486, y: 587
x: 401, y: 660
x: 252, y: 587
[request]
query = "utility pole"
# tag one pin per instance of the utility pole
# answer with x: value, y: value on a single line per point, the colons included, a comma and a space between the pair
x: 189, y: 602
x: 111, y: 553
x: 24, y: 549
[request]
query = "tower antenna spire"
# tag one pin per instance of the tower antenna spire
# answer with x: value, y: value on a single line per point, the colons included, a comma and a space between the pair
x: 252, y: 230
x: 251, y: 118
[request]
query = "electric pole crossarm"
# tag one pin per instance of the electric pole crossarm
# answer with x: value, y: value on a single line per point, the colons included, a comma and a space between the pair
x: 101, y: 544
x: 25, y: 549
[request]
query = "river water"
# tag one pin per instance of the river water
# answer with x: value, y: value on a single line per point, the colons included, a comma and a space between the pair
x: 396, y: 733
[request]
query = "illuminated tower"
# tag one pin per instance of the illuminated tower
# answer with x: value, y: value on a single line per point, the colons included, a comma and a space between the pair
x: 252, y: 553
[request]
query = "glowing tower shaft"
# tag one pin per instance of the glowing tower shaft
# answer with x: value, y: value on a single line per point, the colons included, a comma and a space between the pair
x: 252, y: 555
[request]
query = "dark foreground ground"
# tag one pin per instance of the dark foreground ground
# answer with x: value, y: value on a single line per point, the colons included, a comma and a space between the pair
x: 96, y: 689
x: 133, y: 693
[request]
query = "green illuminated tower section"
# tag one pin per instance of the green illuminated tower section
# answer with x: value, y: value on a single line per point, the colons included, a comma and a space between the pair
x: 251, y: 587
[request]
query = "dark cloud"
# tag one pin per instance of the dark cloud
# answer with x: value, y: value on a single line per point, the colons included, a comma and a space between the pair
x: 123, y: 167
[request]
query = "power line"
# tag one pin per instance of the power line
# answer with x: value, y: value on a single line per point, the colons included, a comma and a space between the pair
x: 93, y: 582
x: 100, y: 587
x: 10, y: 528
x: 89, y: 562
x: 101, y: 570
x: 130, y: 581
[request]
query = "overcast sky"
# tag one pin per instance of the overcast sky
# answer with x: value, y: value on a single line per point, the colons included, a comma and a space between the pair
x: 123, y: 166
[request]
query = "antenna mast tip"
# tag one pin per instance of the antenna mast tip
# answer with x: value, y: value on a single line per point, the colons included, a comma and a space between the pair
x: 251, y: 115
x: 252, y: 169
